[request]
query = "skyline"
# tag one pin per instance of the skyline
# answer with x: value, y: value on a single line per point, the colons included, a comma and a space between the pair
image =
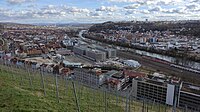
x: 95, y: 11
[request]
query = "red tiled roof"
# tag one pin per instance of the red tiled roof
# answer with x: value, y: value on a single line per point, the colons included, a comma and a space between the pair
x: 65, y: 70
x: 113, y: 81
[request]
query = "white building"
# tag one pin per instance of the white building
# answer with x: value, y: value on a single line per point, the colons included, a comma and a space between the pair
x: 132, y: 63
x: 156, y: 87
x: 91, y: 77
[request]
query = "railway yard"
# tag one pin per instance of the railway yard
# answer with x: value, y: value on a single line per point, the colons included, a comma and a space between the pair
x: 162, y: 67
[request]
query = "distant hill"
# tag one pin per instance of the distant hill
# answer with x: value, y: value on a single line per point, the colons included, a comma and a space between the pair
x: 85, y: 25
x: 77, y: 25
x: 14, y: 24
x: 178, y: 27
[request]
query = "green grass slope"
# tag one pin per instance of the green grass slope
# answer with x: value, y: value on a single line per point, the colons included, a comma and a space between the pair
x: 17, y: 95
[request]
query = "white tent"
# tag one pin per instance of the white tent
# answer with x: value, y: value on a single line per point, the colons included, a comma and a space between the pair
x: 132, y: 63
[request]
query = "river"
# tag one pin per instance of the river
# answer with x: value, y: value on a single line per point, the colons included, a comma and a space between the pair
x: 178, y: 61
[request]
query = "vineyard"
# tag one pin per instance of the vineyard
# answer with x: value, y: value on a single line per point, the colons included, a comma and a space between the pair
x: 30, y: 90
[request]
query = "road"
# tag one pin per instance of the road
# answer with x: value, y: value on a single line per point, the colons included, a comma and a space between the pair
x: 186, y: 75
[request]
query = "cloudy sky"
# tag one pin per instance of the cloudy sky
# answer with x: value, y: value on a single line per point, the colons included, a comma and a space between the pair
x: 67, y: 11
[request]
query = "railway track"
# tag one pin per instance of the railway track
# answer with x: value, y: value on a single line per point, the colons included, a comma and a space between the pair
x: 166, y: 68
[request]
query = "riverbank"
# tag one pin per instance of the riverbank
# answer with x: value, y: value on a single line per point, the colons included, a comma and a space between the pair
x: 172, y: 53
x: 185, y: 75
x: 159, y: 67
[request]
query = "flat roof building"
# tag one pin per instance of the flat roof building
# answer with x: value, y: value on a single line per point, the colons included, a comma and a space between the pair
x: 90, y: 53
x: 80, y: 50
x: 156, y: 87
x: 91, y: 77
x: 110, y: 53
x: 95, y: 54
x: 189, y: 98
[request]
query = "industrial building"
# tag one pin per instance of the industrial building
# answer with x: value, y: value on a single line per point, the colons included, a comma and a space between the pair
x: 95, y: 55
x: 156, y: 87
x: 167, y: 90
x: 80, y: 50
x: 110, y: 53
x: 90, y: 53
x: 189, y: 98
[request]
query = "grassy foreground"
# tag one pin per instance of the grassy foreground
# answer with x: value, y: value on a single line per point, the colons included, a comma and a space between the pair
x: 17, y: 95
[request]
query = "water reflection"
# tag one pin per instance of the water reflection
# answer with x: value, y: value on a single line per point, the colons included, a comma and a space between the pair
x: 178, y: 61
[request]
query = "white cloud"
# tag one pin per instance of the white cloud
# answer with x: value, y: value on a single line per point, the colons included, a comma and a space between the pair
x: 132, y: 6
x: 155, y: 9
x: 124, y: 0
x: 18, y: 1
x: 144, y: 11
x: 150, y: 2
x: 134, y: 9
x: 130, y: 12
x: 180, y: 10
x: 48, y: 13
x: 193, y: 7
x: 95, y: 14
x: 78, y: 10
x: 107, y: 9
